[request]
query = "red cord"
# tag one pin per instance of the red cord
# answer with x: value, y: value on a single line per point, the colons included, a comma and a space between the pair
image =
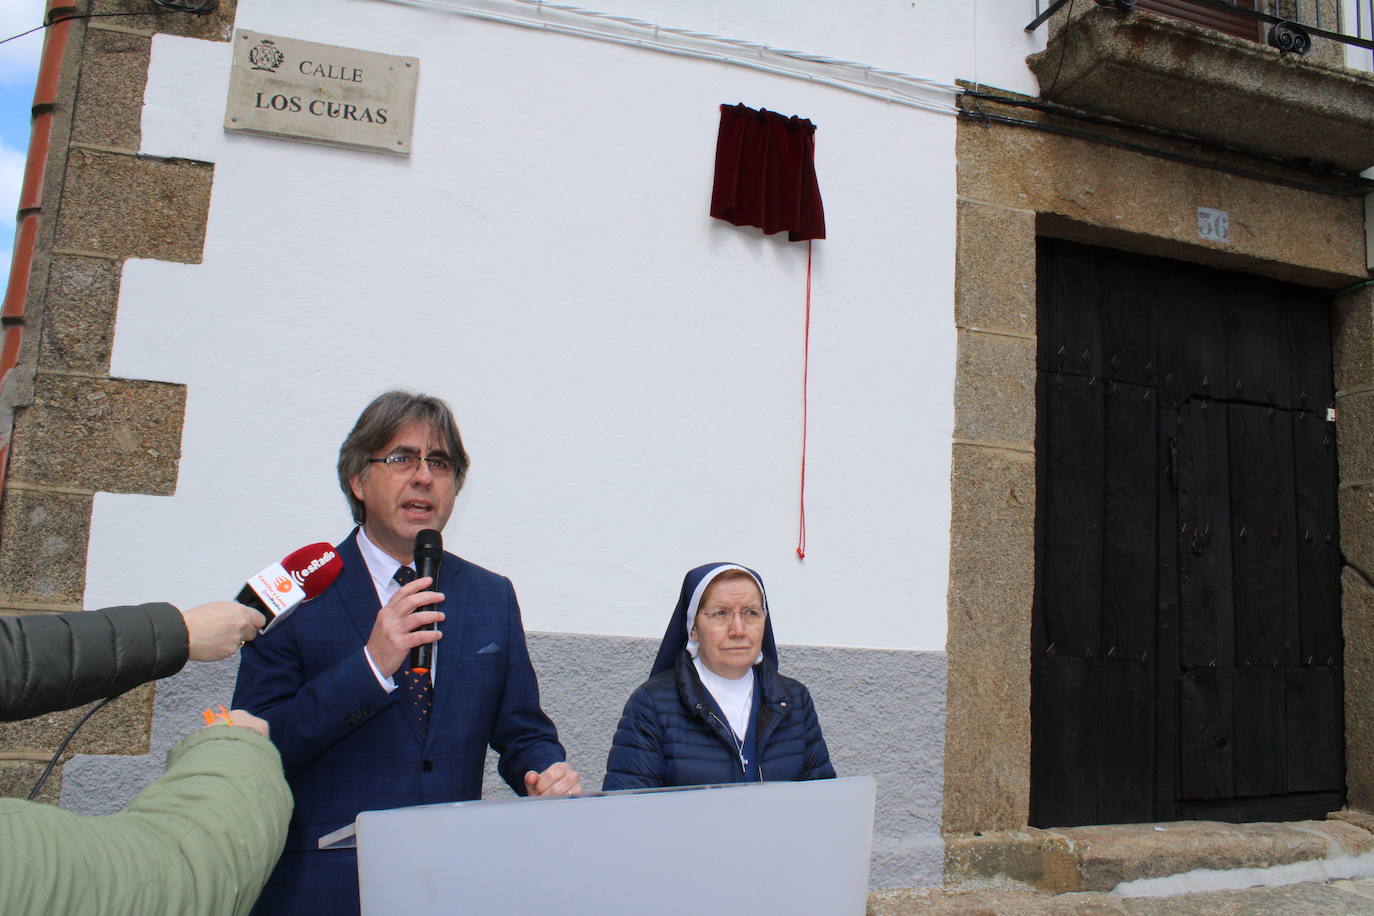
x: 806, y: 371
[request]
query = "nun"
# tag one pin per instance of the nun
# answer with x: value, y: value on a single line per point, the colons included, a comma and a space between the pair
x: 715, y: 709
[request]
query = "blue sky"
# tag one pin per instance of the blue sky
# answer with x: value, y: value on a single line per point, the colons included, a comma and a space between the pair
x: 18, y: 72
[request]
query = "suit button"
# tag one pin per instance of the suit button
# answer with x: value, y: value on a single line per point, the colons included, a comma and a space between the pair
x: 427, y: 766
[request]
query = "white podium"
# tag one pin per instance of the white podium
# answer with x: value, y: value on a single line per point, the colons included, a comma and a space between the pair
x: 752, y: 849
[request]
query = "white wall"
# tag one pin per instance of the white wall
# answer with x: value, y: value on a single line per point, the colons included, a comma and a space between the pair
x: 626, y: 370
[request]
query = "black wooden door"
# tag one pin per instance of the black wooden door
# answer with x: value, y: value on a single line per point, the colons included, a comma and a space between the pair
x: 1186, y: 634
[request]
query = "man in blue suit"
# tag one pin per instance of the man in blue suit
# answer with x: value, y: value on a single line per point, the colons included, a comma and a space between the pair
x: 357, y: 730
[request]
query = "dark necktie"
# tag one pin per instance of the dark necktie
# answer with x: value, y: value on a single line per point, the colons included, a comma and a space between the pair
x: 418, y: 689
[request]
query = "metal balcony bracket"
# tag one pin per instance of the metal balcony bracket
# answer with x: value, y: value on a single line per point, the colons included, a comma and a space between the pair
x: 1124, y: 5
x: 1289, y: 38
x: 1049, y: 11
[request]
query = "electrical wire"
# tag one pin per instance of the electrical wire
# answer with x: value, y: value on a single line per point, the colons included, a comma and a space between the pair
x: 37, y: 28
x: 57, y: 754
x: 1062, y: 54
x: 1320, y: 170
x: 885, y: 85
x: 204, y: 6
x: 864, y: 79
x: 1351, y: 288
x: 169, y: 6
x: 752, y: 47
x: 1158, y: 153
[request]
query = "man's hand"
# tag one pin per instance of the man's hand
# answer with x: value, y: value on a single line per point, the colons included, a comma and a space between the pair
x: 559, y: 779
x: 218, y: 629
x: 394, y: 631
x: 248, y: 720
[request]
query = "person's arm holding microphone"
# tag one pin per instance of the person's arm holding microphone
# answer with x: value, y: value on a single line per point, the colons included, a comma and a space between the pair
x: 204, y: 837
x: 50, y: 662
x: 225, y: 782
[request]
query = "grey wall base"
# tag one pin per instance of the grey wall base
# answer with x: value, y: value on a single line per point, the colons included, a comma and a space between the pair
x: 882, y: 711
x: 105, y: 784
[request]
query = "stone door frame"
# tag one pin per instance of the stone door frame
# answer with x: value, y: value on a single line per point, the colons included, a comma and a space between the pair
x: 1014, y: 185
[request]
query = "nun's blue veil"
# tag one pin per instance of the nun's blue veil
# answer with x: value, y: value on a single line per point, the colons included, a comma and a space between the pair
x: 693, y: 587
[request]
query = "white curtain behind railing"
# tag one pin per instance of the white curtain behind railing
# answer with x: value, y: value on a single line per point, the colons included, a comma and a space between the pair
x: 1357, y: 18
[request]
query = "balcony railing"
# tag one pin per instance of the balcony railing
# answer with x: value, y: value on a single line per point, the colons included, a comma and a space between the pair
x: 1311, y: 114
x: 1289, y: 25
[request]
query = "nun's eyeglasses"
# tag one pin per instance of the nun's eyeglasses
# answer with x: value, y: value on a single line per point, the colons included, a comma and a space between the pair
x: 719, y: 617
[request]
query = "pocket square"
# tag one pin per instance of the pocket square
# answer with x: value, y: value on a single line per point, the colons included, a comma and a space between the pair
x: 489, y: 647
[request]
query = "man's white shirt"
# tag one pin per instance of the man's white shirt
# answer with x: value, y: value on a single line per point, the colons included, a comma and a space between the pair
x: 382, y: 568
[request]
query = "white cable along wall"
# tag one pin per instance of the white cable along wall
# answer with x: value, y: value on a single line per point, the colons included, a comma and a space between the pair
x: 850, y: 76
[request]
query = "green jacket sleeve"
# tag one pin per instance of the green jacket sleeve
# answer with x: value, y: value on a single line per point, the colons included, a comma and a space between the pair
x: 202, y: 839
x: 56, y: 661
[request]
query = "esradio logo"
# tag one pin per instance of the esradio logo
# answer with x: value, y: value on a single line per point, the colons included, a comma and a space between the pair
x: 300, y: 575
x: 282, y: 584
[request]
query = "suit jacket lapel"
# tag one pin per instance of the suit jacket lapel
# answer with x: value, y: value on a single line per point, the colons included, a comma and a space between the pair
x: 450, y: 649
x: 356, y: 591
x: 360, y: 600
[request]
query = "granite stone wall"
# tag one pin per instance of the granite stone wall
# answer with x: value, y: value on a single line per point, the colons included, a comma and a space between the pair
x: 77, y: 430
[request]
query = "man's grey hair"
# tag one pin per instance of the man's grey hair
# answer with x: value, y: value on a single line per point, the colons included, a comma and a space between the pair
x: 379, y: 422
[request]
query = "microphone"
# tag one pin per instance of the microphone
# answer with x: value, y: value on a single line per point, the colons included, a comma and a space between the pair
x: 429, y: 553
x: 280, y: 588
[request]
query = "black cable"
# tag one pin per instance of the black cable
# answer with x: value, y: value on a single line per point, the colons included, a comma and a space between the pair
x: 1062, y: 54
x: 204, y: 6
x: 1357, y: 570
x: 1350, y: 289
x: 168, y: 6
x: 1352, y: 189
x: 57, y: 755
x: 29, y: 32
x: 1310, y: 167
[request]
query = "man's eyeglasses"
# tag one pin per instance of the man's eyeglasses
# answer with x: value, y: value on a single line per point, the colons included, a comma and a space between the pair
x: 406, y: 463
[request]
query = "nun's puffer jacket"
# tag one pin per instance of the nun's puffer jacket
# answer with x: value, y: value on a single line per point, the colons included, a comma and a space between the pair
x: 670, y: 734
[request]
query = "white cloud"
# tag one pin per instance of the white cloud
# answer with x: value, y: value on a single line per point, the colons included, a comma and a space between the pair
x: 11, y: 177
x: 19, y: 58
x: 18, y: 68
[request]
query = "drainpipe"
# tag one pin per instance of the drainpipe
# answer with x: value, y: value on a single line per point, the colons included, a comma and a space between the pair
x: 30, y: 215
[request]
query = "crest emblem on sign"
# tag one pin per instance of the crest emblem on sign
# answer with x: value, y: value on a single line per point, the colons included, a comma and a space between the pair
x: 266, y: 56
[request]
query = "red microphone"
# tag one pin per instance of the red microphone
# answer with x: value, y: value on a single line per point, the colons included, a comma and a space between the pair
x: 301, y: 575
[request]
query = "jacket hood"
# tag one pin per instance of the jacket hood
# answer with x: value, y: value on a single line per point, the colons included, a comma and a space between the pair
x: 694, y: 584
